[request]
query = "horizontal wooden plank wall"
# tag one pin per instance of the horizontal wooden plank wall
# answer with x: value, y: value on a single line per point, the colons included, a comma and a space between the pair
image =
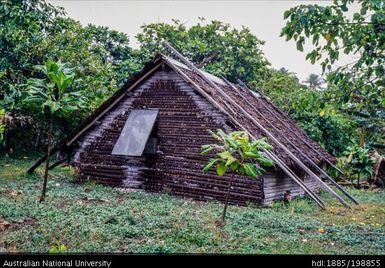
x: 275, y: 186
x: 183, y: 120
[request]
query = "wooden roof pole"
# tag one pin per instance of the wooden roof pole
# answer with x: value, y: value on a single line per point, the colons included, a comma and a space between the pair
x: 275, y: 158
x: 243, y: 85
x: 208, y: 59
x: 294, y: 146
x: 292, y: 156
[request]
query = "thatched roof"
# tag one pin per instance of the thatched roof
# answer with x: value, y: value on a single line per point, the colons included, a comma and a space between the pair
x: 279, y: 124
x: 258, y: 106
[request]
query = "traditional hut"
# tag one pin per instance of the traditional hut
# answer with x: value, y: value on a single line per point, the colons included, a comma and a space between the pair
x: 149, y: 134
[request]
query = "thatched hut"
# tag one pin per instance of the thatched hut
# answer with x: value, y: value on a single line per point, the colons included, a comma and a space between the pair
x: 148, y: 136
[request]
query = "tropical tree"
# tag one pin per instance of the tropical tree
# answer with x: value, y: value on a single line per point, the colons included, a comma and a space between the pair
x: 337, y: 29
x: 33, y: 31
x: 24, y: 28
x: 53, y: 95
x: 237, y: 52
x: 236, y: 153
x: 281, y: 87
x: 314, y: 81
x: 285, y: 71
x: 359, y: 162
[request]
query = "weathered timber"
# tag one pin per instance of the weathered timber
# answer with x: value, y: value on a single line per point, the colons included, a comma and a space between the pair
x: 227, y: 102
x: 278, y: 132
x: 189, y: 105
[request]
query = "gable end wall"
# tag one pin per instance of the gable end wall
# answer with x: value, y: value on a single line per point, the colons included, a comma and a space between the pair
x: 182, y: 124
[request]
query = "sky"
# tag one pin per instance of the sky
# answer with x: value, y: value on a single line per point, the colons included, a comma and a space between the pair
x: 263, y: 18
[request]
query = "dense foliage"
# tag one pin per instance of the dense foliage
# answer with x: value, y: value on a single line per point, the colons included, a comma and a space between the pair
x: 359, y: 162
x: 236, y: 53
x: 32, y: 32
x: 360, y: 85
x: 314, y: 110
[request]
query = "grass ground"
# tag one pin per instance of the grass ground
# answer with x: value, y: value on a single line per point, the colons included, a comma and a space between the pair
x: 95, y: 218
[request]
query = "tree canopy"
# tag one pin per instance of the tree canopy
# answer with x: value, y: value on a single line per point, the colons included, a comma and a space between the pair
x: 348, y: 109
x: 31, y: 32
x: 338, y: 29
x: 238, y: 51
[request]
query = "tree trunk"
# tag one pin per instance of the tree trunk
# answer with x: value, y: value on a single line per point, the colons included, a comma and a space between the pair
x: 37, y: 139
x: 358, y: 181
x: 4, y: 143
x: 47, y: 160
x: 227, y: 200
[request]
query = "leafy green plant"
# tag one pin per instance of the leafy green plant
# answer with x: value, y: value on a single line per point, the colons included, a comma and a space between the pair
x: 58, y: 248
x: 235, y: 152
x: 359, y: 162
x: 53, y: 95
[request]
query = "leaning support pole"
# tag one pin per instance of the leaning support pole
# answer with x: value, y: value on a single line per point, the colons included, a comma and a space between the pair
x: 292, y: 156
x: 292, y: 144
x: 294, y: 177
x: 279, y: 162
x: 57, y: 163
x: 68, y: 159
x: 243, y: 85
x: 42, y: 159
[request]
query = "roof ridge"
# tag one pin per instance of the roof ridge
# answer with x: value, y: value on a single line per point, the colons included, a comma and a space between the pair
x: 209, y: 75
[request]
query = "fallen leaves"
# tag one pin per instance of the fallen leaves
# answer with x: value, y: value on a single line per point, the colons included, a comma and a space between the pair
x: 15, y: 224
x: 4, y: 225
x: 10, y: 192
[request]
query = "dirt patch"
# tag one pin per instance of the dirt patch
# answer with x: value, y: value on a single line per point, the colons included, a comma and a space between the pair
x: 4, y: 225
x: 15, y: 224
x: 88, y: 200
x: 64, y: 205
x: 8, y: 248
x: 10, y: 192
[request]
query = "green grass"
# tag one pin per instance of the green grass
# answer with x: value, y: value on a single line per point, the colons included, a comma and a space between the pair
x: 95, y: 218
